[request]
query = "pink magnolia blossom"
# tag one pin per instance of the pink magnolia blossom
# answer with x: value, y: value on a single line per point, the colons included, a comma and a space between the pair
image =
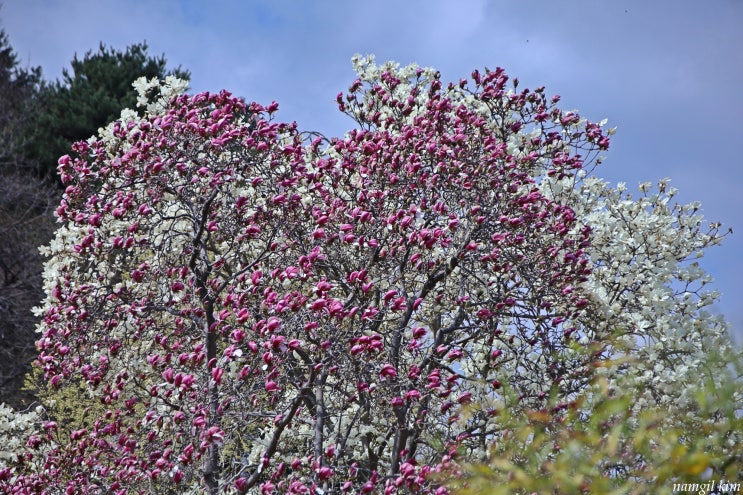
x: 387, y: 371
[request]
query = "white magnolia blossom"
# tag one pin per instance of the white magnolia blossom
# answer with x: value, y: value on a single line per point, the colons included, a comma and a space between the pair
x: 153, y: 94
x: 22, y: 442
x: 649, y: 290
x: 15, y: 429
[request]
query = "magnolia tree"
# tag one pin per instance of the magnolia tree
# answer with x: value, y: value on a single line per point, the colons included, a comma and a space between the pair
x: 266, y: 311
x: 648, y: 289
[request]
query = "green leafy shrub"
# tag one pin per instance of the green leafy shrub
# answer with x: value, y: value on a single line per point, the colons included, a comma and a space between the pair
x: 603, y: 443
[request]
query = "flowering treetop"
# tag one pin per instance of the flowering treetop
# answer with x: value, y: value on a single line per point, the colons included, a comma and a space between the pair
x: 262, y: 309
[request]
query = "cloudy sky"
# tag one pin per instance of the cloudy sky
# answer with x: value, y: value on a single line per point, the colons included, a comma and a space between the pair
x: 667, y: 73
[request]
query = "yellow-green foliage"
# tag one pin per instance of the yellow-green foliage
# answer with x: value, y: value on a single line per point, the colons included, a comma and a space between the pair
x: 70, y: 405
x: 602, y: 444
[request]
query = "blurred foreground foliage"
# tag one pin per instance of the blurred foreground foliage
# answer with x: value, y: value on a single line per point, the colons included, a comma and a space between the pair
x: 603, y: 443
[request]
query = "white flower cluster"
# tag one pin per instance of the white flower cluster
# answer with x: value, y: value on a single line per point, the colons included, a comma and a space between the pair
x: 649, y: 291
x: 154, y: 94
x: 15, y: 430
x: 369, y: 73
